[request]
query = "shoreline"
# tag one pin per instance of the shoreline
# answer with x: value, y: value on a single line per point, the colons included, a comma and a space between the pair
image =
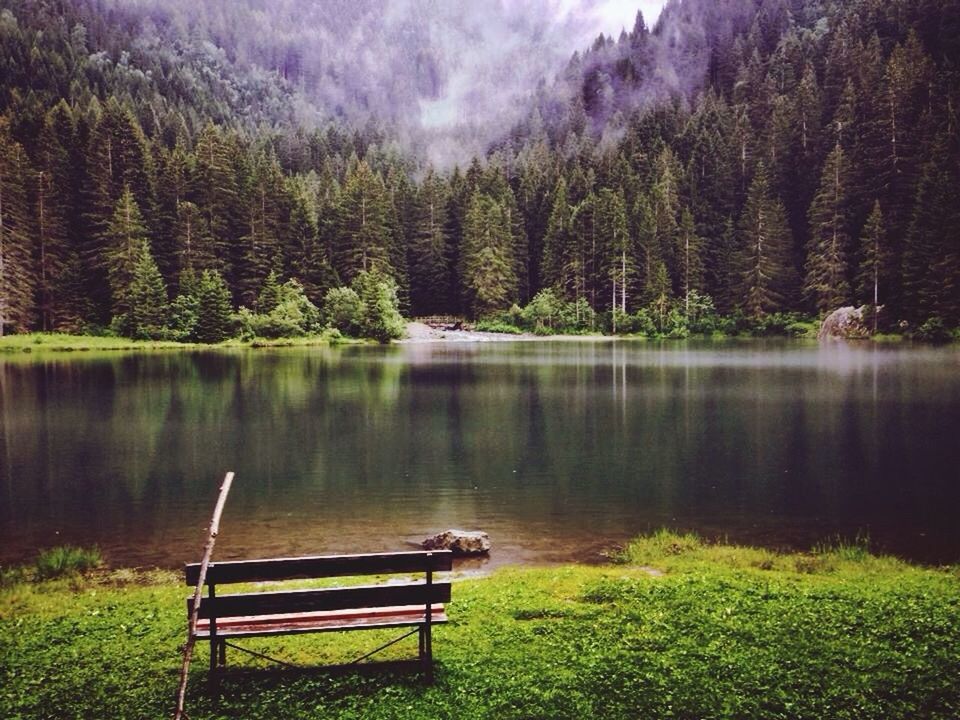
x: 417, y: 334
x: 676, y: 627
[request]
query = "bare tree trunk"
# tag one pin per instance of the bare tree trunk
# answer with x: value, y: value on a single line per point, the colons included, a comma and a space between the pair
x: 613, y: 305
x: 192, y: 628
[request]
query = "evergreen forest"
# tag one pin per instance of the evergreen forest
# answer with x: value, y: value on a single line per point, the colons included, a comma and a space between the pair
x: 736, y: 165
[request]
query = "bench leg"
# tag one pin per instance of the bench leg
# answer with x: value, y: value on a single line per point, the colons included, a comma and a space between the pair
x: 426, y: 652
x: 223, y: 653
x: 213, y: 677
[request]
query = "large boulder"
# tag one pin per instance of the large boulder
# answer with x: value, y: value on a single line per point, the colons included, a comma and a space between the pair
x: 461, y: 542
x: 847, y: 323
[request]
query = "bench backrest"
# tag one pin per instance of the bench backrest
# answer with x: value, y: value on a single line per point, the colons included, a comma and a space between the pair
x: 338, y: 598
x: 321, y: 566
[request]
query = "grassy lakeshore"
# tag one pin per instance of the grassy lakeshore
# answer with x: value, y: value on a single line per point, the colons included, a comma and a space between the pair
x: 59, y: 342
x: 676, y: 628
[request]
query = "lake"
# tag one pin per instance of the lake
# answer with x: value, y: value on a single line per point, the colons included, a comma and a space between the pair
x: 558, y: 449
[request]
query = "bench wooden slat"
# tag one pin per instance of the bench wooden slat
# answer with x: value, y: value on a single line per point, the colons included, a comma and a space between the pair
x: 289, y: 623
x: 237, y: 571
x: 301, y: 601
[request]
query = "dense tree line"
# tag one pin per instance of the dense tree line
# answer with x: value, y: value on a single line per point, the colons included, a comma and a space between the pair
x: 815, y: 165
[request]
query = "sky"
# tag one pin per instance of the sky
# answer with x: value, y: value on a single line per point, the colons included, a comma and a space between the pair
x: 613, y: 15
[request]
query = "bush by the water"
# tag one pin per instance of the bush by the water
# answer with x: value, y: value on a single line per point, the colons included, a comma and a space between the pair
x: 497, y: 326
x: 282, y: 311
x: 662, y: 317
x: 66, y: 560
x: 934, y: 331
x: 368, y: 308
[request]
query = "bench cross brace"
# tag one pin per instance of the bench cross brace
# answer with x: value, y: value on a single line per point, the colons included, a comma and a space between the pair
x: 259, y: 655
x: 360, y: 659
x: 384, y: 647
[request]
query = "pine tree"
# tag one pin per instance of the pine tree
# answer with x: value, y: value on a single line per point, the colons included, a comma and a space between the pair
x: 711, y: 184
x: 492, y: 181
x: 217, y: 196
x: 262, y: 250
x: 174, y: 170
x: 581, y: 272
x: 16, y: 263
x: 270, y: 295
x: 538, y: 179
x: 826, y: 285
x: 147, y: 297
x: 58, y: 295
x: 618, y: 256
x: 117, y: 161
x: 874, y: 260
x: 556, y: 243
x: 363, y: 237
x: 931, y: 256
x: 487, y: 269
x: 665, y: 203
x: 650, y: 251
x: 213, y: 308
x: 765, y: 278
x: 726, y: 277
x: 458, y: 198
x: 690, y: 255
x: 429, y: 271
x: 307, y: 256
x: 397, y: 202
x: 124, y: 240
x: 905, y: 94
x: 195, y: 248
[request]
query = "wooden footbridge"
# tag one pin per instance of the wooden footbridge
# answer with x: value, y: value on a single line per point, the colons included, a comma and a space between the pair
x: 445, y: 322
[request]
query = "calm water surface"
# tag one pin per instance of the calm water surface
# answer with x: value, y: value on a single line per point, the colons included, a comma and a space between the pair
x: 557, y: 449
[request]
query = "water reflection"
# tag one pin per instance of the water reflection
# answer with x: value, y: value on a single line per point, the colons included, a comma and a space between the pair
x: 557, y: 449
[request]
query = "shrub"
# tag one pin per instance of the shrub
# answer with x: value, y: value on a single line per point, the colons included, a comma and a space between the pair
x: 934, y: 330
x: 497, y: 326
x: 642, y: 323
x: 701, y: 314
x: 343, y: 310
x: 380, y: 316
x: 839, y: 548
x: 578, y: 316
x: 10, y: 576
x: 66, y: 560
x: 778, y: 324
x: 285, y: 311
x: 543, y: 312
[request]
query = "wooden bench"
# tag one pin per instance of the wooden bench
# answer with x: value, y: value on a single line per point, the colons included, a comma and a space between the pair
x: 392, y: 604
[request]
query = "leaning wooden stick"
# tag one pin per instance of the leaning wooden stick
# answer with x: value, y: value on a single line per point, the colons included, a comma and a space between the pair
x: 197, y: 593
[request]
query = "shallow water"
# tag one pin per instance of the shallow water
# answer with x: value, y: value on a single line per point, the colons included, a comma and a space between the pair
x: 558, y: 449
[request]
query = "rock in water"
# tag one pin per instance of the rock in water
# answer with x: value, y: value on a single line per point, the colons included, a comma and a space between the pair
x: 846, y: 323
x: 461, y: 542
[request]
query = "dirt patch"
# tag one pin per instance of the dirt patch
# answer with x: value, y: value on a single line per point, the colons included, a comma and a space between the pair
x: 421, y: 332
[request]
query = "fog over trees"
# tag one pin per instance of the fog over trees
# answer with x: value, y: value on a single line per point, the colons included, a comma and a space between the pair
x: 754, y: 157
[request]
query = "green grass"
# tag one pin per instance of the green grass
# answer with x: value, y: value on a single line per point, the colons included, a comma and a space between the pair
x: 62, y: 342
x: 58, y: 342
x: 723, y: 632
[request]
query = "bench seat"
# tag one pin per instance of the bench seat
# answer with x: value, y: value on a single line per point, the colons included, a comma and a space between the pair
x: 322, y: 621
